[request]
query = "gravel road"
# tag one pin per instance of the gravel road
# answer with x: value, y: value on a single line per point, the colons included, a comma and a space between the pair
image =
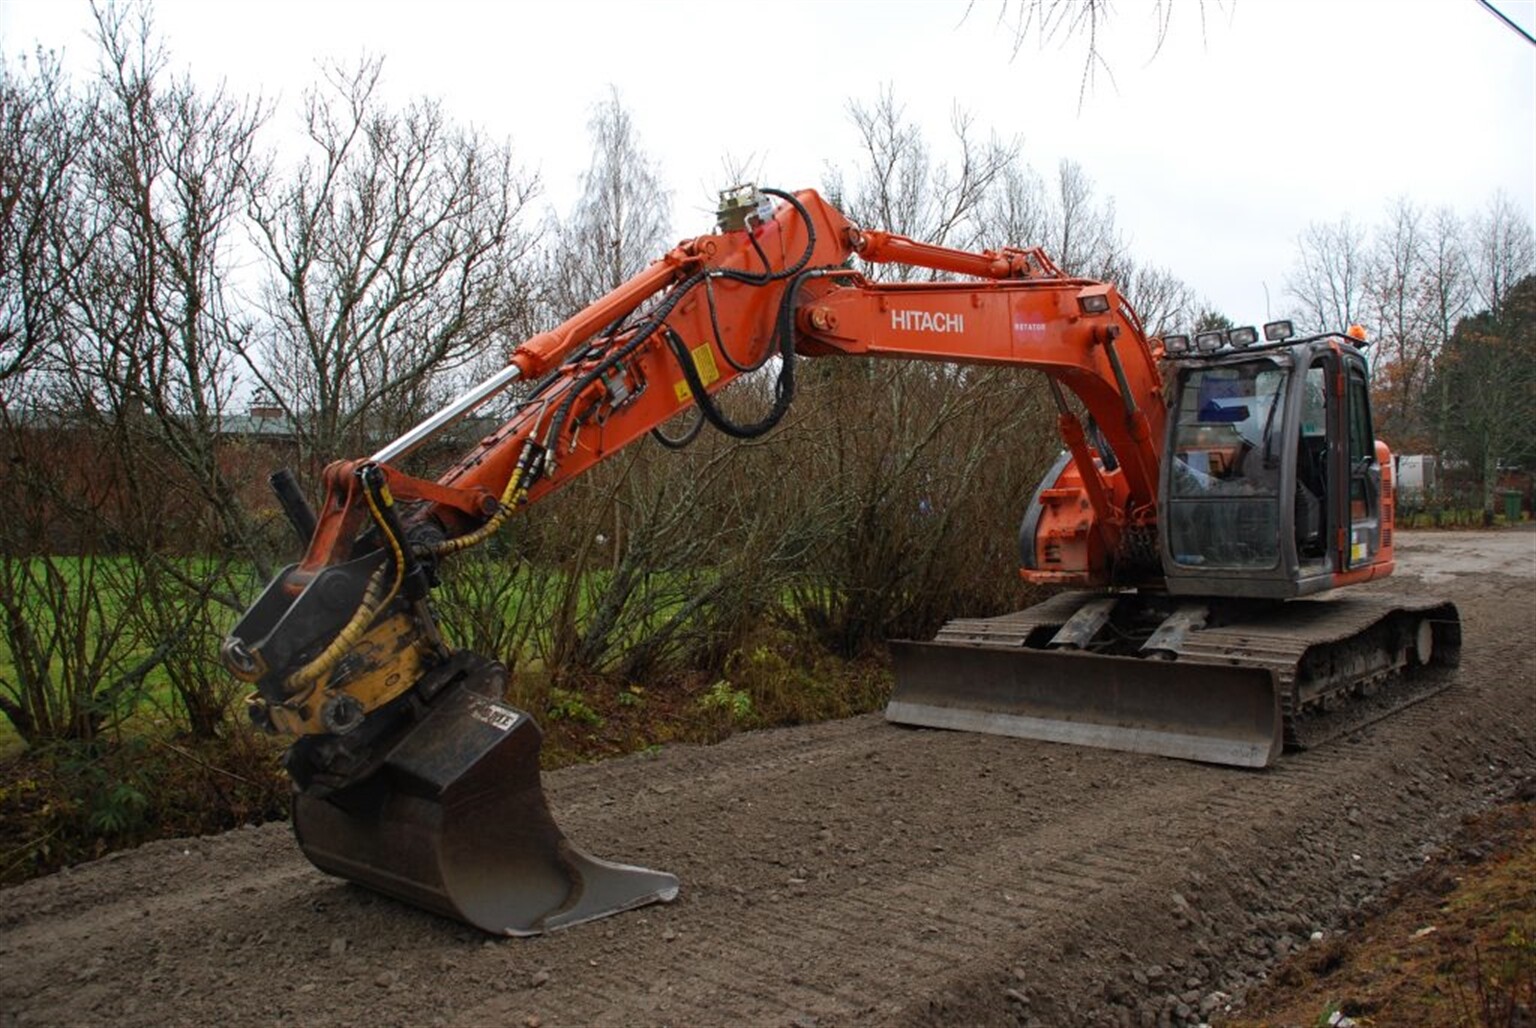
x: 850, y: 872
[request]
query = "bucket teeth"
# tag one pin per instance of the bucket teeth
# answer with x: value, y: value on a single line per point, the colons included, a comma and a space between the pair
x: 454, y: 820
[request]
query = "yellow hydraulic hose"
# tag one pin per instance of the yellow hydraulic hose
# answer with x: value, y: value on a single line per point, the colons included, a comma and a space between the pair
x: 303, y: 681
x: 510, y: 498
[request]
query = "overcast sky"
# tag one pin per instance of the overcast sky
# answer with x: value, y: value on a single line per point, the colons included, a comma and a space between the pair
x: 1218, y: 151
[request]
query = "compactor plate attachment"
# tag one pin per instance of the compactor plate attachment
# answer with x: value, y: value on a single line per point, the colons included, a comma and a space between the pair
x: 454, y: 819
x: 1206, y: 712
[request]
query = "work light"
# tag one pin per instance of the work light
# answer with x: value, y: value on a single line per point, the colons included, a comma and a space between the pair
x: 1210, y: 342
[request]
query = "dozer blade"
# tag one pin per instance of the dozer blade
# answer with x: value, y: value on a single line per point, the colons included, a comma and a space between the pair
x: 1207, y: 712
x: 455, y: 821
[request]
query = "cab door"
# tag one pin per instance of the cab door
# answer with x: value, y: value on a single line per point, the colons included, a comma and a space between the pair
x: 1362, y: 520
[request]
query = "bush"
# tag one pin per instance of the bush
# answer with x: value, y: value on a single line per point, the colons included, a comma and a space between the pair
x: 64, y: 803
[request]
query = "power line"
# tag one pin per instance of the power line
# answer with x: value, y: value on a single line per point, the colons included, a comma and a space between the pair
x: 1506, y: 20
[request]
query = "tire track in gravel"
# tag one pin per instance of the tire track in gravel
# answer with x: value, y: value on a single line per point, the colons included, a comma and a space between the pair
x: 1348, y: 818
x: 914, y: 929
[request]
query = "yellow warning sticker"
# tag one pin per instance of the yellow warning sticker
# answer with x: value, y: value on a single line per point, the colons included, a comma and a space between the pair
x: 704, y: 364
x: 704, y: 360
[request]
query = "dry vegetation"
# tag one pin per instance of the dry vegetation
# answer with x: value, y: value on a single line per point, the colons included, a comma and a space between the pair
x: 1454, y: 945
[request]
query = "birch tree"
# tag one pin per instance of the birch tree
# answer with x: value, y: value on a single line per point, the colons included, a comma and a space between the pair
x: 1501, y: 251
x: 904, y: 186
x: 1081, y: 235
x: 1403, y: 341
x: 621, y: 222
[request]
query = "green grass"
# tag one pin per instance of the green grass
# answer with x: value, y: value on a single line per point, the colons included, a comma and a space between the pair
x: 487, y: 602
x: 490, y: 603
x: 76, y: 606
x: 147, y: 777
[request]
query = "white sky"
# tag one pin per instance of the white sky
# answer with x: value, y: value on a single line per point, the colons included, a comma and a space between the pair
x: 1218, y: 152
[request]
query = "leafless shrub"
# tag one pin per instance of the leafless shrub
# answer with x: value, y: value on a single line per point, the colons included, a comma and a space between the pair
x: 394, y: 249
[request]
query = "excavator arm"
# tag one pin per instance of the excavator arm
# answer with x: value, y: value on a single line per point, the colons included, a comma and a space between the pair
x: 411, y: 774
x: 716, y: 307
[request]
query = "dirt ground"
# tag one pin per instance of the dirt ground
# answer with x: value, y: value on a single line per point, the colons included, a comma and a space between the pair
x: 850, y: 872
x: 1453, y: 944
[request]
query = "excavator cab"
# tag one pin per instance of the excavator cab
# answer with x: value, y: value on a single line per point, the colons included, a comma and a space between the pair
x: 1271, y: 487
x: 1272, y: 479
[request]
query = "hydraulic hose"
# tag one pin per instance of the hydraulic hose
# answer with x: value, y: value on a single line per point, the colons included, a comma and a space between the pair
x: 511, y: 497
x: 656, y: 318
x: 784, y: 330
x: 642, y: 333
x: 680, y: 442
x: 375, y: 598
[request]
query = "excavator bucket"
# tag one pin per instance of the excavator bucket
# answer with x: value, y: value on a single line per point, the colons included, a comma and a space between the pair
x: 1214, y: 713
x: 454, y: 820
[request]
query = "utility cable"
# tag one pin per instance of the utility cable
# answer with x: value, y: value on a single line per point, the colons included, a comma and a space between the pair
x: 1514, y: 26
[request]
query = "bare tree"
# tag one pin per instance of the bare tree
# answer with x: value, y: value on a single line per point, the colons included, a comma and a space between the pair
x: 1448, y: 283
x: 1502, y: 251
x: 1081, y: 233
x: 1057, y: 22
x: 1409, y: 279
x: 171, y: 165
x: 622, y: 220
x: 912, y: 468
x: 44, y: 130
x: 1015, y: 210
x: 394, y: 251
x: 124, y: 206
x: 1447, y: 294
x: 159, y: 334
x: 1081, y: 236
x: 1165, y: 302
x: 919, y: 480
x: 1395, y: 304
x: 904, y: 188
x: 1328, y: 280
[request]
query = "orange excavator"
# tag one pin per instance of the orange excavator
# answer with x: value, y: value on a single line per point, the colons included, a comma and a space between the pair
x: 1206, y: 512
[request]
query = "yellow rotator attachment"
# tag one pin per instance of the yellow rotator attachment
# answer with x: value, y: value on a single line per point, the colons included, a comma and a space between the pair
x: 411, y: 774
x: 434, y: 797
x: 390, y: 655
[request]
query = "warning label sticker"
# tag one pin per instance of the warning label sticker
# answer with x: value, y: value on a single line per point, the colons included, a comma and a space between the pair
x: 489, y: 712
x: 704, y: 364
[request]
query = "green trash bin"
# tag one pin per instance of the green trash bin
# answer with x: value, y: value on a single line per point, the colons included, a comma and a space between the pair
x: 1511, y: 505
